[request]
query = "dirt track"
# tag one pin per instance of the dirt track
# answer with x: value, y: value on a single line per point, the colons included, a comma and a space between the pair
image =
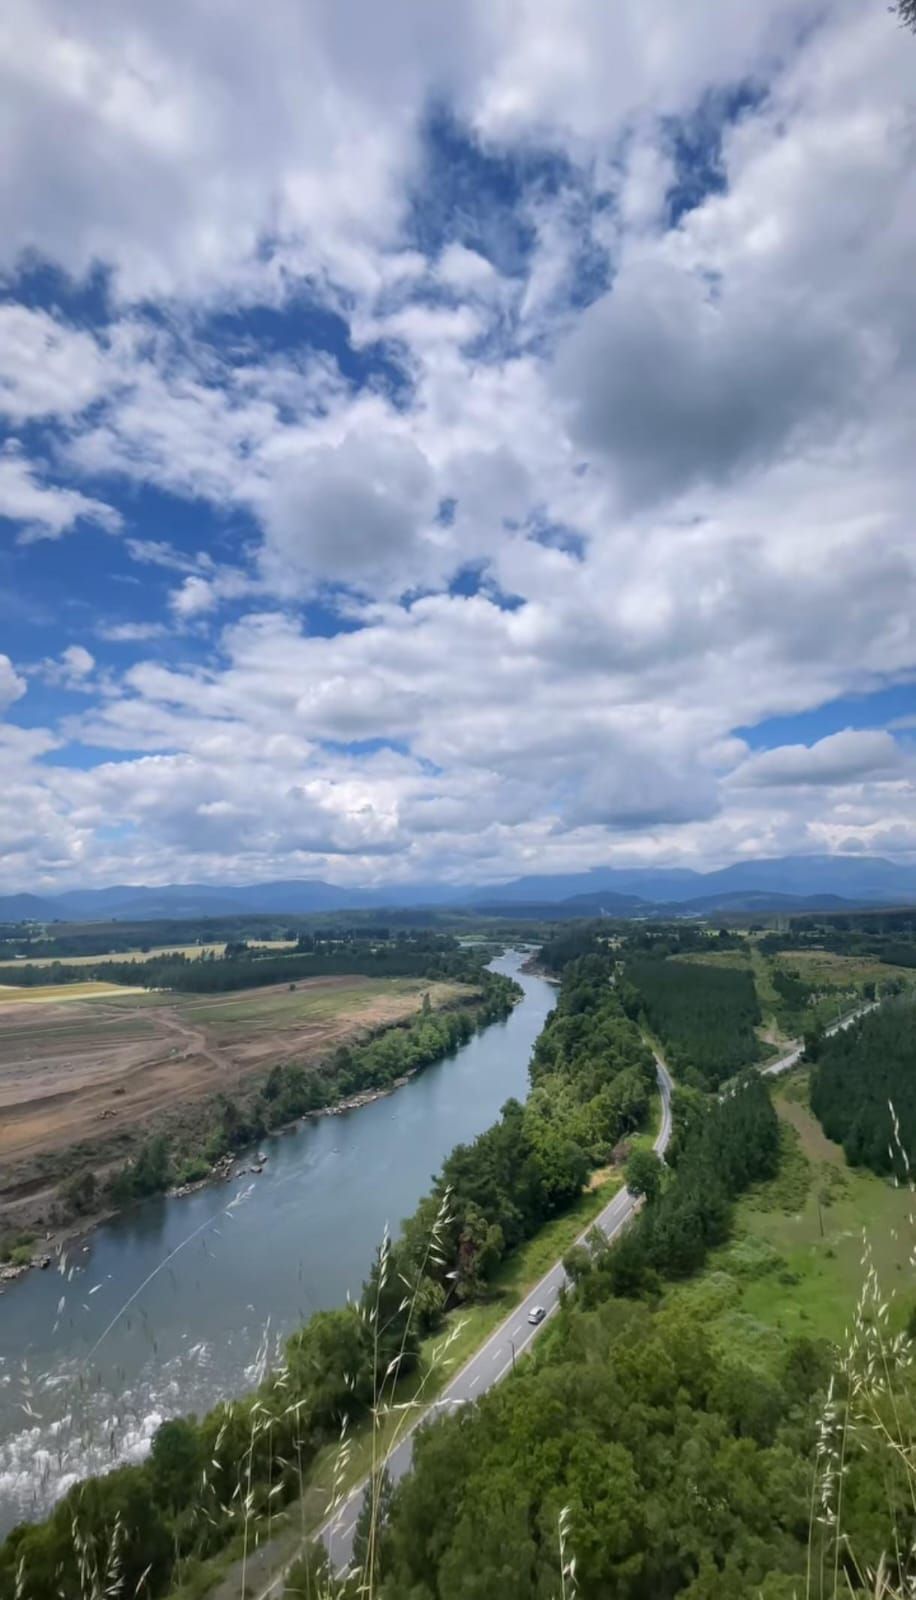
x: 82, y: 1071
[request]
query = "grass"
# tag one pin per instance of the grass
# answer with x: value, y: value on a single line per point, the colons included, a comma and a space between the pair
x: 240, y: 1011
x: 795, y: 1264
x: 48, y: 993
x: 834, y: 970
x: 192, y: 951
x: 738, y: 959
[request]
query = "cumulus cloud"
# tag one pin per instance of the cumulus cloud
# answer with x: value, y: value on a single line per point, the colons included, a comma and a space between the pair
x: 12, y: 686
x: 604, y: 455
x: 45, y: 367
x: 44, y: 510
x: 677, y: 381
x: 70, y: 670
x: 354, y: 511
x: 841, y: 758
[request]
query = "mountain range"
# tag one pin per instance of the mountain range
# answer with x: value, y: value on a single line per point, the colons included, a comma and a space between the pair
x: 791, y: 883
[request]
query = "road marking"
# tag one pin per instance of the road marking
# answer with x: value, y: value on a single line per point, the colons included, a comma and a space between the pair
x: 347, y: 1531
x: 473, y: 1381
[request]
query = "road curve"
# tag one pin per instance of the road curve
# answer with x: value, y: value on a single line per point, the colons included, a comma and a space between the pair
x: 492, y: 1361
x: 793, y: 1056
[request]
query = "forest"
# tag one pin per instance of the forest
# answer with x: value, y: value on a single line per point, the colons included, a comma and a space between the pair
x: 592, y: 1078
x: 243, y: 967
x: 863, y: 1088
x: 705, y: 1016
x: 882, y: 935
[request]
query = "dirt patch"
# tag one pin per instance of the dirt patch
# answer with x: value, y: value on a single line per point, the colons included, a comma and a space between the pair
x: 86, y: 1071
x: 814, y: 1141
x: 600, y: 1177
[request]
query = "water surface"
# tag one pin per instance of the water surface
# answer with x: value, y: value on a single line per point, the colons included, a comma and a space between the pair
x: 181, y: 1302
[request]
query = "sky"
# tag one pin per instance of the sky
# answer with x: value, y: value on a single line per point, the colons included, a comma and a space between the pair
x: 449, y: 442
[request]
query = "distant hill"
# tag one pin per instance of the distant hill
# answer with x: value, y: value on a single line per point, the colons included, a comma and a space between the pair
x: 28, y: 908
x: 861, y: 879
x: 791, y: 883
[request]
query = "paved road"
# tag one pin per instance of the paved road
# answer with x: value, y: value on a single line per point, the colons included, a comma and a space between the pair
x: 504, y: 1347
x: 795, y: 1054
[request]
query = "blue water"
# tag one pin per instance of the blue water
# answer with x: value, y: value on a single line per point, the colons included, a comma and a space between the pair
x: 182, y: 1302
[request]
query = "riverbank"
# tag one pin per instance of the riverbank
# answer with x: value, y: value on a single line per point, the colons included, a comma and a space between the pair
x: 50, y: 1249
x: 83, y: 1081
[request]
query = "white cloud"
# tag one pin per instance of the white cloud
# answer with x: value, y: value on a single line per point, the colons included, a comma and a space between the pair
x: 45, y: 367
x: 45, y: 510
x: 840, y: 758
x: 687, y: 504
x: 72, y: 669
x: 130, y: 632
x: 195, y: 597
x: 12, y: 687
x: 77, y: 661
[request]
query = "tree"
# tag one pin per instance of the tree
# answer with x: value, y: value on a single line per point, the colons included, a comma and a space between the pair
x: 331, y: 1366
x: 813, y: 1041
x: 644, y: 1174
x: 373, y: 1515
x: 479, y: 1249
x: 175, y: 1462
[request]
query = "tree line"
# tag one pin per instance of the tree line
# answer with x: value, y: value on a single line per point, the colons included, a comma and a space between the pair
x: 705, y: 1015
x: 426, y: 956
x: 863, y: 1081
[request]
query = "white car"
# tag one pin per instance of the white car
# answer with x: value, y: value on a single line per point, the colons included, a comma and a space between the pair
x: 536, y: 1314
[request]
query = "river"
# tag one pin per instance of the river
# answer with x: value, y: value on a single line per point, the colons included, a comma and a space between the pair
x: 180, y: 1303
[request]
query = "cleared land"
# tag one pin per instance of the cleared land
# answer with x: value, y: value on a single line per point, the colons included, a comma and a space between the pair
x: 87, y: 1069
x: 833, y: 970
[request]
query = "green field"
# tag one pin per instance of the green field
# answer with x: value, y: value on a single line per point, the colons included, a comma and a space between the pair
x: 804, y: 1241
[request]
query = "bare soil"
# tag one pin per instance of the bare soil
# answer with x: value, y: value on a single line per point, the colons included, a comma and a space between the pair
x: 82, y: 1072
